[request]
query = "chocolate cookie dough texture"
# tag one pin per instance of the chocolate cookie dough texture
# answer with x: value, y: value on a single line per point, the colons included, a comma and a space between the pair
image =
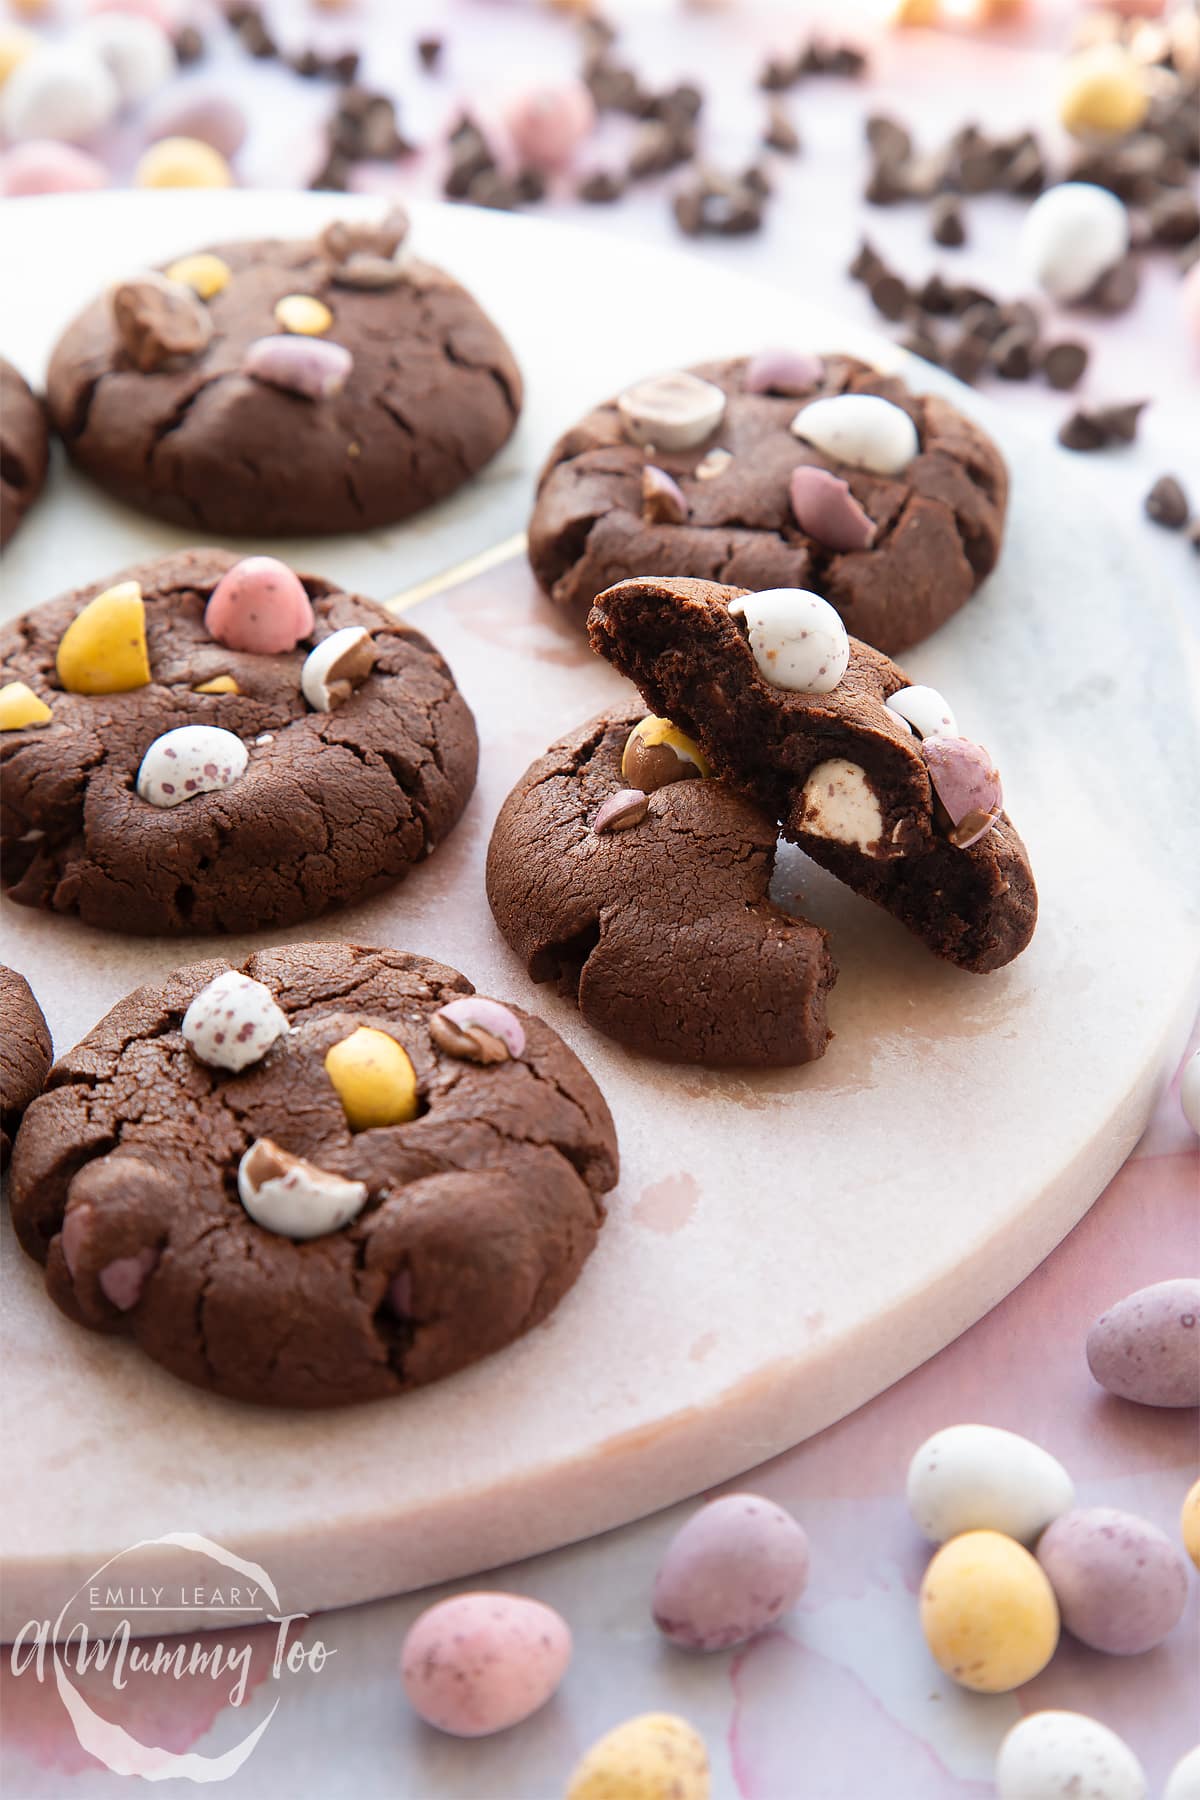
x: 865, y: 771
x: 780, y: 470
x: 279, y: 387
x: 24, y: 1054
x: 331, y: 1174
x: 24, y: 448
x: 211, y: 744
x: 620, y: 870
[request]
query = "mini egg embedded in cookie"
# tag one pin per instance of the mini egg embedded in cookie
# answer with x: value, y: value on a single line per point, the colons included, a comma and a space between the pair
x: 103, y: 650
x: 374, y: 1078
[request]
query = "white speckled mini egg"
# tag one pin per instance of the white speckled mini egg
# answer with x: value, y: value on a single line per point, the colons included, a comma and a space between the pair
x: 729, y: 1572
x: 1183, y: 1783
x: 1066, y: 1756
x: 979, y: 1478
x: 478, y: 1663
x: 1146, y: 1348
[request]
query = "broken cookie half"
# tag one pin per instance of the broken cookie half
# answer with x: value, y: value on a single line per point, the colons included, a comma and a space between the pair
x: 864, y: 770
x: 621, y: 870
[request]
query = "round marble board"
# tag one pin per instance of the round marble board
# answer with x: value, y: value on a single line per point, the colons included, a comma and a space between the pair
x: 780, y: 1246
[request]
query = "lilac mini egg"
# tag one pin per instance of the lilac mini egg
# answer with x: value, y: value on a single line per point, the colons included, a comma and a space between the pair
x: 1120, y: 1583
x: 729, y: 1573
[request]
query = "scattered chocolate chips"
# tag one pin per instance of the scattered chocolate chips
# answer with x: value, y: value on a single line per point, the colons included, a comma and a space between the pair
x: 1167, y: 504
x: 946, y: 224
x: 429, y: 51
x: 1096, y: 428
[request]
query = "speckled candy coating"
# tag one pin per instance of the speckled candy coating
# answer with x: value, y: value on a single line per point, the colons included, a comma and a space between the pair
x: 259, y: 605
x: 1120, y: 1583
x: 798, y: 640
x: 191, y: 760
x: 988, y: 1613
x: 653, y: 1757
x: 979, y: 1478
x: 729, y: 1573
x: 1146, y: 1348
x: 233, y: 1022
x: 967, y: 783
x: 479, y: 1663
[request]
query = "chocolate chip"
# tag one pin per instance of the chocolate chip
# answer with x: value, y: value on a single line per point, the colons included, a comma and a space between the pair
x: 935, y: 296
x: 600, y: 188
x: 1063, y: 363
x: 982, y: 319
x: 307, y: 64
x: 1117, y: 289
x: 890, y: 141
x: 886, y: 185
x: 779, y: 73
x: 189, y: 46
x: 333, y: 176
x: 1096, y: 427
x: 429, y: 51
x: 780, y: 134
x: 755, y: 178
x: 1174, y: 218
x: 613, y: 87
x: 493, y: 189
x: 946, y: 222
x: 254, y: 36
x: 658, y: 148
x: 1194, y: 534
x: 967, y: 356
x: 345, y: 66
x: 889, y: 296
x: 1167, y: 504
x: 1120, y: 423
x: 921, y: 342
x: 867, y: 263
x: 470, y: 155
x: 1081, y: 432
x: 678, y: 106
x: 1012, y: 354
x: 1025, y: 174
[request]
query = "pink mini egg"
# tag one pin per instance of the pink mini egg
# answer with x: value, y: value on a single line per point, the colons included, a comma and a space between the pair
x: 45, y: 166
x: 259, y: 605
x: 967, y: 784
x: 546, y: 123
x: 729, y: 1573
x: 481, y: 1662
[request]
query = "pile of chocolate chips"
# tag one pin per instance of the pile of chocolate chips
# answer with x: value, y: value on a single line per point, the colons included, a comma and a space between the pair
x: 813, y: 58
x: 967, y: 330
x: 969, y: 163
x: 475, y: 175
x: 256, y: 38
x: 363, y: 129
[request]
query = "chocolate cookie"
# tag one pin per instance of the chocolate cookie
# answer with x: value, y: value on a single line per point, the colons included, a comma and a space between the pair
x: 866, y: 772
x: 893, y: 512
x: 650, y: 907
x: 327, y: 1177
x: 24, y: 448
x: 212, y: 745
x: 26, y: 1056
x: 277, y: 387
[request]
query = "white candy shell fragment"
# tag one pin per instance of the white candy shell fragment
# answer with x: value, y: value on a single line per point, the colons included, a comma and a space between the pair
x: 233, y: 1022
x: 924, y: 711
x: 798, y: 640
x: 294, y: 1198
x: 839, y: 803
x: 862, y: 430
x: 672, y: 412
x: 339, y: 664
x: 191, y: 760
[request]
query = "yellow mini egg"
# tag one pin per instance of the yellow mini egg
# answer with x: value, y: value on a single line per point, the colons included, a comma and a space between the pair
x: 1189, y: 1524
x: 220, y: 684
x: 182, y: 162
x: 204, y: 273
x: 657, y: 753
x: 20, y: 707
x: 988, y: 1612
x: 653, y: 1757
x: 303, y: 315
x: 15, y: 45
x: 1103, y: 91
x: 375, y: 1079
x: 103, y: 650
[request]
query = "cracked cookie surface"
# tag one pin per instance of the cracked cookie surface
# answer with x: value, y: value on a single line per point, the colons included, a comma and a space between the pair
x: 333, y: 806
x: 24, y: 448
x: 480, y: 1212
x: 663, y: 932
x: 691, y: 659
x: 433, y: 394
x: 938, y: 525
x: 25, y: 1037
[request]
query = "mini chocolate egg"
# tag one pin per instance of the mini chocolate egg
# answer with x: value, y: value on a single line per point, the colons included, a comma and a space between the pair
x: 729, y: 1572
x: 1120, y: 1583
x: 190, y: 761
x: 259, y: 605
x: 672, y: 412
x: 862, y: 430
x: 656, y: 1756
x: 478, y: 1030
x: 657, y: 753
x: 233, y: 1022
x: 314, y: 367
x: 547, y: 123
x: 136, y: 52
x: 1050, y: 1755
x: 838, y: 802
x: 1103, y: 91
x: 182, y: 162
x: 824, y: 507
x: 1189, y: 1090
x: 337, y: 667
x: 1189, y: 1523
x: 967, y: 783
x: 797, y: 638
x: 1072, y: 235
x: 21, y: 709
x: 988, y: 1613
x: 1146, y: 1348
x: 1183, y: 1783
x: 977, y: 1477
x: 790, y: 373
x: 44, y: 166
x: 481, y: 1662
x: 374, y: 1078
x: 62, y: 91
x: 924, y: 711
x: 103, y: 650
x: 294, y: 1198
